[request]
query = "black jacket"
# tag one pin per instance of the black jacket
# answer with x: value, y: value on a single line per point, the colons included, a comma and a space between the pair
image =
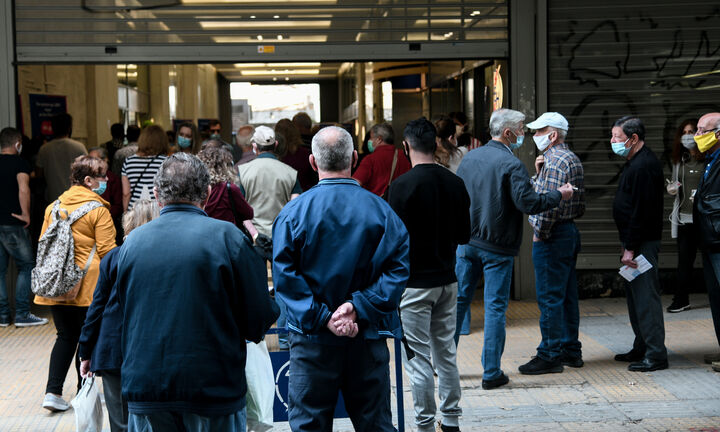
x: 500, y: 192
x: 706, y: 209
x: 638, y: 205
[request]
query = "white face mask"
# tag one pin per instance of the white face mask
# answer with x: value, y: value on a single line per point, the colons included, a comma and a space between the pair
x: 18, y: 147
x: 542, y: 142
x: 688, y: 141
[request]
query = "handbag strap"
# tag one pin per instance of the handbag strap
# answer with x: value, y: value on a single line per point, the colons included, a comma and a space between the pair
x: 132, y: 192
x: 90, y: 258
x: 392, y: 170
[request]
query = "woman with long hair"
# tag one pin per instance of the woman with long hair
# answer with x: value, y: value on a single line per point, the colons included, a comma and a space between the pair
x: 686, y: 174
x: 292, y: 152
x: 188, y: 139
x: 94, y: 237
x: 448, y: 154
x: 138, y: 170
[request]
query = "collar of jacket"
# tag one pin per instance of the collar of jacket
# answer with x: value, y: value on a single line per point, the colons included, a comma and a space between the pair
x: 345, y: 180
x: 183, y: 208
x: 498, y: 144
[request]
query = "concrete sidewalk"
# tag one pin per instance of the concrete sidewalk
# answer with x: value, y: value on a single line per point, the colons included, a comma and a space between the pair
x: 601, y: 396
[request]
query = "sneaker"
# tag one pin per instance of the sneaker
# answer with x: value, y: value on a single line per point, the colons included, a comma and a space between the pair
x: 495, y: 383
x: 678, y: 306
x: 572, y: 361
x: 716, y: 366
x: 54, y: 403
x: 30, y: 320
x: 710, y: 358
x: 4, y: 321
x: 538, y: 366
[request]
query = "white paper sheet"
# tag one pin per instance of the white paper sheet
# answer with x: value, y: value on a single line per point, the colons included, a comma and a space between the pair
x: 630, y: 273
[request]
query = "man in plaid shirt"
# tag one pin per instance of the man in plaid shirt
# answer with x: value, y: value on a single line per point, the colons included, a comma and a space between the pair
x: 556, y: 243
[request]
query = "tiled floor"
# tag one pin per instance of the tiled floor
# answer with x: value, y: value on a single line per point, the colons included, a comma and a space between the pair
x: 602, y: 396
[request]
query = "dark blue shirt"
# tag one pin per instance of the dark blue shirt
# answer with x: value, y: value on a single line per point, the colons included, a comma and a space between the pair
x: 336, y: 243
x: 710, y: 160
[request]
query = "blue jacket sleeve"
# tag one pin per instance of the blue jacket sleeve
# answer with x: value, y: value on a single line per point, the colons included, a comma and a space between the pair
x: 392, y: 257
x: 290, y: 284
x: 524, y: 196
x: 93, y: 319
x: 258, y: 311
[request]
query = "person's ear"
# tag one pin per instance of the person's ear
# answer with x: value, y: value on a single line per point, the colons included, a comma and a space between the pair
x: 157, y: 198
x: 355, y: 158
x: 313, y: 163
x: 87, y: 181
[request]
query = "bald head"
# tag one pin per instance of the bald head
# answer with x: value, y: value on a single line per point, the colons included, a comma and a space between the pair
x: 709, y: 122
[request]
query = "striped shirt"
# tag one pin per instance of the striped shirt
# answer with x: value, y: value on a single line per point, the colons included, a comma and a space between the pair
x: 561, y: 166
x: 140, y: 171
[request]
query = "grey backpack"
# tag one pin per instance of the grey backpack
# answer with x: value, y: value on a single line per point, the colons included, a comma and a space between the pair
x: 55, y: 273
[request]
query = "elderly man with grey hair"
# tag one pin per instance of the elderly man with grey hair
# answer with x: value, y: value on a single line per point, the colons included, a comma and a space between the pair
x: 341, y: 262
x: 192, y: 291
x: 385, y: 162
x: 500, y: 192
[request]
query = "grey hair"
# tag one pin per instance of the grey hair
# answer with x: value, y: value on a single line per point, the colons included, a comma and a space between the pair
x: 384, y: 131
x: 182, y: 178
x: 143, y: 211
x: 333, y: 148
x: 505, y: 119
x: 103, y: 152
x: 562, y: 134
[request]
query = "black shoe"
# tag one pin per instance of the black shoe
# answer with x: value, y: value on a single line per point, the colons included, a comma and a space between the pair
x: 630, y: 356
x: 647, y: 366
x: 538, y: 366
x: 678, y: 306
x: 495, y: 383
x: 572, y: 361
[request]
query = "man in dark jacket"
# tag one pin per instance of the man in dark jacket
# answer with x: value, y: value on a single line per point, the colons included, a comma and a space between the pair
x: 638, y: 214
x: 500, y: 192
x: 192, y: 291
x: 706, y: 211
x: 340, y: 265
x: 434, y: 205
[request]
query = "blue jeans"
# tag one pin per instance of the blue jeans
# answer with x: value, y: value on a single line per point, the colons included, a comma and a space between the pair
x: 471, y: 263
x: 15, y: 242
x: 557, y: 293
x: 711, y: 268
x: 169, y: 421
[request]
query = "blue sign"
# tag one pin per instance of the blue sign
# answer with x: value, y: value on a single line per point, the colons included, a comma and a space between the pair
x: 42, y: 109
x: 281, y: 369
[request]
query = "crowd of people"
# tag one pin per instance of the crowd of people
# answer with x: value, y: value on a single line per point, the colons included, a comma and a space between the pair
x: 174, y: 234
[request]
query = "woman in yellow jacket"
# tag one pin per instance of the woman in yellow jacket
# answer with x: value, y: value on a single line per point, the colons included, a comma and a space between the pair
x: 96, y: 228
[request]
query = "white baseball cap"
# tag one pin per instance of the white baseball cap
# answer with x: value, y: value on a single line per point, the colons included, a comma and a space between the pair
x: 263, y: 136
x: 553, y: 119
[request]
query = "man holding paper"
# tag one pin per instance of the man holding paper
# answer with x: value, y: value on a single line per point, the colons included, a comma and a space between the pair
x: 638, y: 214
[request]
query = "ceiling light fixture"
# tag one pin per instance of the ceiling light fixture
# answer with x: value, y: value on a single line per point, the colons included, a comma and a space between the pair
x: 259, y: 37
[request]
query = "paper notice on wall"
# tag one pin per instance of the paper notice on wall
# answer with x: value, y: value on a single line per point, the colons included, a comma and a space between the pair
x: 630, y: 273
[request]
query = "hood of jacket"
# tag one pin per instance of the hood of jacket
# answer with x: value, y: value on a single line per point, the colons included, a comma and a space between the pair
x: 77, y: 195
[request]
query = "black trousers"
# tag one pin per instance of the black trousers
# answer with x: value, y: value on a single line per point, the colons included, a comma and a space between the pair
x: 687, y: 243
x: 69, y: 321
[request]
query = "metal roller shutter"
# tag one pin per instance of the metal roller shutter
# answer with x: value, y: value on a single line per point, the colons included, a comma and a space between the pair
x: 118, y: 31
x: 657, y: 59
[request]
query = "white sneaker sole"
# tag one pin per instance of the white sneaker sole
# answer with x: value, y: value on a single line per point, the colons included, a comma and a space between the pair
x: 55, y: 408
x: 39, y: 323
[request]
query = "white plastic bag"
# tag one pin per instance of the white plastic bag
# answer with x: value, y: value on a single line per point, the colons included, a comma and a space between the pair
x: 88, y: 408
x: 260, y: 388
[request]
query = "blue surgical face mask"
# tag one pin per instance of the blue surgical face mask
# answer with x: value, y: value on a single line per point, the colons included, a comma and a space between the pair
x: 184, y: 142
x: 125, y: 142
x: 215, y: 136
x: 518, y: 141
x: 619, y: 148
x: 370, y: 146
x: 101, y: 188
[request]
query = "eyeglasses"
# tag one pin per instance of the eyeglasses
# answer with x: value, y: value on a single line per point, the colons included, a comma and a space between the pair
x: 702, y: 131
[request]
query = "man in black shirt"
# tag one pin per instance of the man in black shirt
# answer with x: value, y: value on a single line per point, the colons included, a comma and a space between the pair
x: 14, y: 236
x: 434, y: 205
x: 638, y: 214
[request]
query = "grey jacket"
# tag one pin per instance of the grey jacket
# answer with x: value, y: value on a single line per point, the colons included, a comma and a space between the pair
x: 500, y: 192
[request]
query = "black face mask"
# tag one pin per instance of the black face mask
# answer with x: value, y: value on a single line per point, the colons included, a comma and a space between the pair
x: 406, y: 151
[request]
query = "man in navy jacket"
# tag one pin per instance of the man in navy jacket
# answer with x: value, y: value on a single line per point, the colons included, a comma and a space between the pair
x: 192, y: 291
x: 340, y: 265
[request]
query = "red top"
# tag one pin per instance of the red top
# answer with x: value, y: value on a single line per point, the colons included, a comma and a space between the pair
x: 113, y: 194
x: 218, y: 204
x: 374, y: 170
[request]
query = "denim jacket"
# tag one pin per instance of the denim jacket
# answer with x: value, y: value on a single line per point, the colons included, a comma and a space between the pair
x: 340, y: 243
